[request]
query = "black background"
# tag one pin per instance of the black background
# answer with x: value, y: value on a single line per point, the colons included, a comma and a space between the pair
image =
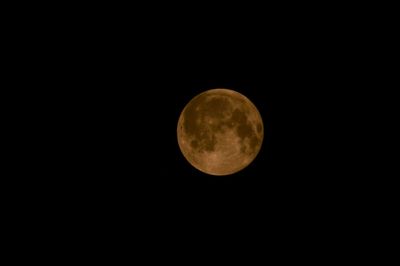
x: 114, y: 85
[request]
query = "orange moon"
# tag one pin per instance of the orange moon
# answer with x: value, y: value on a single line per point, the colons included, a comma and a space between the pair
x: 220, y: 132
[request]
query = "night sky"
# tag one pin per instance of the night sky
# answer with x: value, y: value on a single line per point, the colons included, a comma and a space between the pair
x: 120, y: 91
x: 113, y: 90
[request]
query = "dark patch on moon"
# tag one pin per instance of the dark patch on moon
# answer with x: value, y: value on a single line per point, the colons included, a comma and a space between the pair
x: 216, y: 104
x: 218, y: 127
x: 209, y: 143
x: 194, y: 144
x: 245, y: 131
x: 243, y: 149
x: 238, y: 116
x: 216, y: 107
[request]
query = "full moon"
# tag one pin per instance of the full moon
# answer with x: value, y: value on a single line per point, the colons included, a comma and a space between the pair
x: 220, y: 132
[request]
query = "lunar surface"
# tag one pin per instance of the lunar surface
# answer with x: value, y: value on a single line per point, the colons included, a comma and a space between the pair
x: 220, y: 132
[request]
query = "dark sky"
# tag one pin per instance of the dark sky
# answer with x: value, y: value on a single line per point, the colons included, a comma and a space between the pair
x: 121, y: 90
x: 117, y: 85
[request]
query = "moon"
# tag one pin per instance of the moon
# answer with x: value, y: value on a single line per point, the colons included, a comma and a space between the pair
x: 220, y: 132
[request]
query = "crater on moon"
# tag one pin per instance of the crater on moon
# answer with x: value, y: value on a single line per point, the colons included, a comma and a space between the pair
x: 220, y: 132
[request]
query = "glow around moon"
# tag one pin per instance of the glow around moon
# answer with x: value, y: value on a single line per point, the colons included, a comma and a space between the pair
x: 220, y: 132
